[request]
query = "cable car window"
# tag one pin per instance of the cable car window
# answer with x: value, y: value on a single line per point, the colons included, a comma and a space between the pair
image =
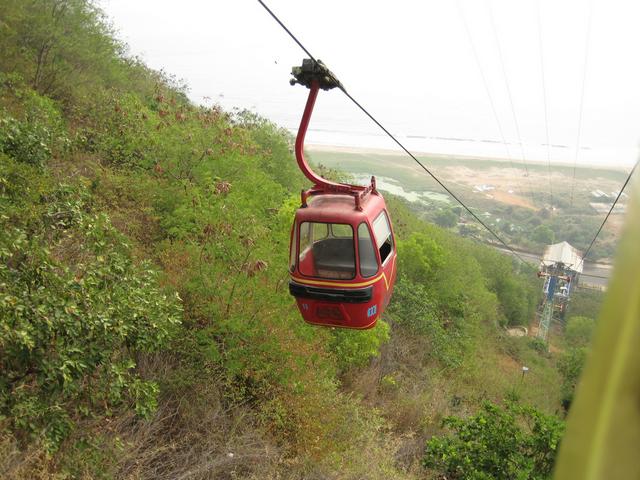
x: 292, y: 253
x: 305, y: 238
x: 320, y: 231
x: 327, y: 256
x: 384, y: 239
x: 368, y: 261
x: 340, y: 230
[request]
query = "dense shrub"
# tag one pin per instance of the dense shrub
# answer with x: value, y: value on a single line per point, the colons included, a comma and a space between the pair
x: 571, y: 364
x: 71, y: 327
x: 500, y: 443
x: 415, y: 309
x: 579, y: 330
x: 37, y: 131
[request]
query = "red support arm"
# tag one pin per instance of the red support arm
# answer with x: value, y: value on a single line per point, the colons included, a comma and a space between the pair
x: 322, y: 185
x: 316, y: 179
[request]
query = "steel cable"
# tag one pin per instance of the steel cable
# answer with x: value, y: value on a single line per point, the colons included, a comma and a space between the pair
x: 366, y: 112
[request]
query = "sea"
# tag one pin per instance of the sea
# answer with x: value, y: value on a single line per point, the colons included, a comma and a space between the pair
x: 595, y: 156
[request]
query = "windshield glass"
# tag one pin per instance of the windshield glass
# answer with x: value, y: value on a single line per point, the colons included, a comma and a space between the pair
x: 327, y: 250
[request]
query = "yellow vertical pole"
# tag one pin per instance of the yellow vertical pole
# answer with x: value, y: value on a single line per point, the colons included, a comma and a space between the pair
x: 602, y: 439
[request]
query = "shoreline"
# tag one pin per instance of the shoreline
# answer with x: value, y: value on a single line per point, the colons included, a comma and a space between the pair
x: 316, y: 147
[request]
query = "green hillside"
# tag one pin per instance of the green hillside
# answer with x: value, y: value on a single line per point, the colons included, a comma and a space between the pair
x: 146, y: 329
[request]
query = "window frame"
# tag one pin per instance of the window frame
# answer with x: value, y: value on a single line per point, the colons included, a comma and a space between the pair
x: 356, y: 269
x: 384, y: 214
x: 376, y: 253
x: 293, y: 248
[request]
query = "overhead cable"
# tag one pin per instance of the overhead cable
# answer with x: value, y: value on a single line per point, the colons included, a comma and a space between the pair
x: 544, y: 101
x: 509, y: 96
x: 366, y: 112
x: 609, y: 212
x: 485, y: 83
x: 580, y: 110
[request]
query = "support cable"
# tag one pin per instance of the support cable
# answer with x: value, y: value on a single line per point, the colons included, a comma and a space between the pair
x: 609, y: 212
x: 366, y: 112
x: 544, y: 98
x: 485, y: 83
x: 513, y: 109
x: 591, y: 275
x: 580, y: 110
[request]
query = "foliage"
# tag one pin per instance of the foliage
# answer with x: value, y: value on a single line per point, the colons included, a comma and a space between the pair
x: 543, y: 235
x: 355, y: 348
x: 570, y: 365
x: 66, y: 50
x: 516, y: 288
x: 539, y: 345
x: 40, y: 132
x: 497, y: 443
x: 69, y: 335
x: 446, y: 218
x: 586, y: 303
x: 414, y: 308
x: 579, y: 330
x: 422, y: 256
x: 445, y: 265
x: 116, y: 128
x: 577, y: 336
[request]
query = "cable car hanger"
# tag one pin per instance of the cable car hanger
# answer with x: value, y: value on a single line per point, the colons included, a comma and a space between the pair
x: 342, y: 253
x: 314, y: 75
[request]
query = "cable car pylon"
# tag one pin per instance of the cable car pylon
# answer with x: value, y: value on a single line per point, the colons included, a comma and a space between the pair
x: 561, y: 266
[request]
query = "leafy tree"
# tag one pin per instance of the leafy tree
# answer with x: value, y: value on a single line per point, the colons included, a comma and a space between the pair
x: 70, y: 336
x: 497, y: 443
x: 421, y: 256
x: 543, y: 234
x: 516, y: 290
x: 579, y: 331
x: 571, y: 364
x: 446, y: 218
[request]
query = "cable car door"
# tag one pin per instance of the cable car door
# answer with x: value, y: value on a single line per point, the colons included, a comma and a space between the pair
x: 385, y: 245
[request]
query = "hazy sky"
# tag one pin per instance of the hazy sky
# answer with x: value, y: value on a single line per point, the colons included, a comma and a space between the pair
x: 411, y: 63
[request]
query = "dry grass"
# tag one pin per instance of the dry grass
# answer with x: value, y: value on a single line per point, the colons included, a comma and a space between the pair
x: 18, y: 463
x: 408, y: 392
x: 193, y: 435
x: 198, y: 439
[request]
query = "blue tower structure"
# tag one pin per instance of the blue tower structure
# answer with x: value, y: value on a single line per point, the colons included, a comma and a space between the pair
x: 561, y: 266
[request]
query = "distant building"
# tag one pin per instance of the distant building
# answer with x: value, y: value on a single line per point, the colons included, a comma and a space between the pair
x: 605, y: 207
x: 601, y: 194
x: 615, y: 193
x: 484, y: 188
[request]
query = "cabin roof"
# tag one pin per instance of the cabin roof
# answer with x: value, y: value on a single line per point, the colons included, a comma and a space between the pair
x: 340, y: 209
x: 564, y: 253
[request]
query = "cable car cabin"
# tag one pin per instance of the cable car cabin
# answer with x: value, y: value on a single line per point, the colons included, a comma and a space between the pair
x: 342, y: 261
x: 342, y: 250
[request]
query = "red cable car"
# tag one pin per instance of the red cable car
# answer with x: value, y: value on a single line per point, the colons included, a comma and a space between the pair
x: 342, y: 250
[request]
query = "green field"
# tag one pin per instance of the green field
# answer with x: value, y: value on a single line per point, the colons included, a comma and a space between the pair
x: 530, y: 211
